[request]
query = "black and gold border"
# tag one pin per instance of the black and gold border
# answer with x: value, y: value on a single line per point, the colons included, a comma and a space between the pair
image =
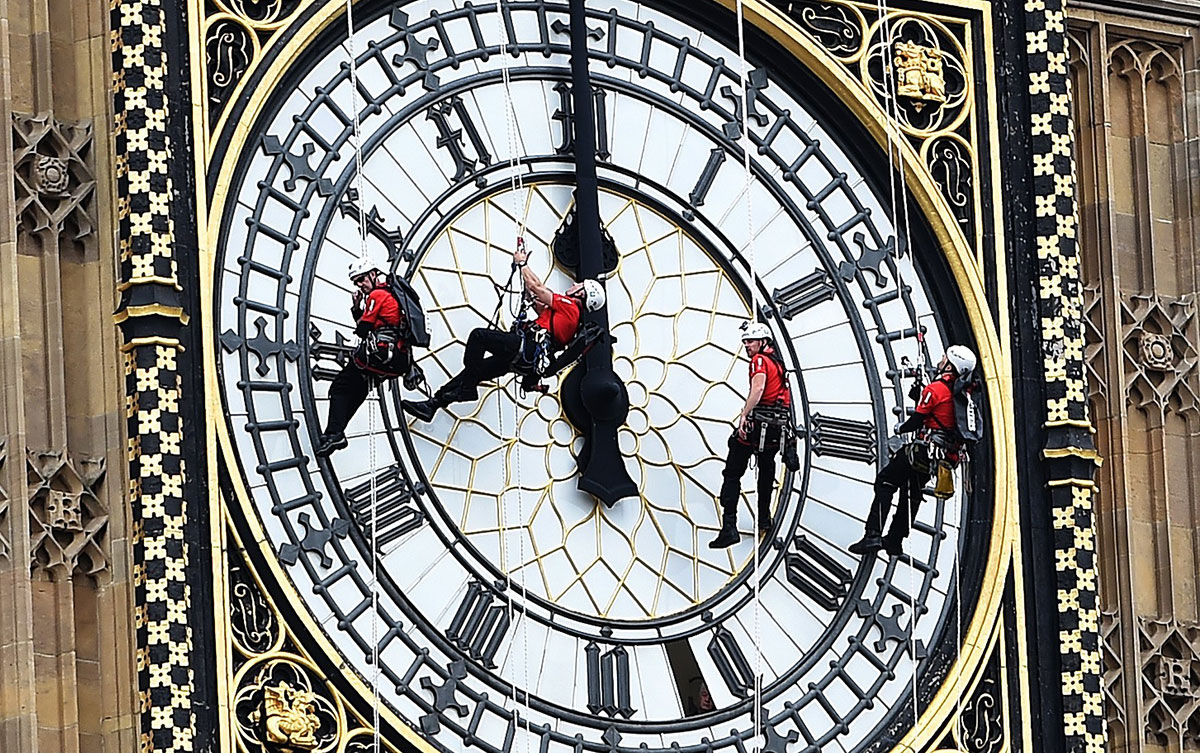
x: 151, y: 315
x: 280, y: 47
x: 1068, y: 449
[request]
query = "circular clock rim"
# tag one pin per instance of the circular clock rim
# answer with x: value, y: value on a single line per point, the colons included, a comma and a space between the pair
x: 954, y: 251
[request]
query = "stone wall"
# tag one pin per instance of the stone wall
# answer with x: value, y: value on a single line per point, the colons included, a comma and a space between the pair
x: 1137, y: 113
x: 66, y: 643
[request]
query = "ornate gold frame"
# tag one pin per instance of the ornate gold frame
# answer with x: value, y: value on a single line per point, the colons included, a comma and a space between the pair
x: 1004, y: 549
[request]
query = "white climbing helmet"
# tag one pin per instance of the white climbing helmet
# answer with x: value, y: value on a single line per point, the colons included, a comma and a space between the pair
x: 755, y: 331
x: 961, y: 358
x: 593, y: 295
x: 361, y: 266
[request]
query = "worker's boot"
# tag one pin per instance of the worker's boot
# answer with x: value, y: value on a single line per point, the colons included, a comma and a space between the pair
x: 868, y: 544
x: 426, y: 409
x: 327, y: 444
x: 728, y: 535
x: 893, y: 545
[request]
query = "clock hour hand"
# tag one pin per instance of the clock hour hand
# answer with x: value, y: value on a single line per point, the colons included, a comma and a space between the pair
x: 594, y: 397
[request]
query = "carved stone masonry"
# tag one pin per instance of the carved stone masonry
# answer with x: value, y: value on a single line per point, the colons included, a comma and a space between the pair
x: 68, y: 525
x: 1159, y: 335
x: 1110, y: 650
x: 5, y: 547
x: 1170, y: 679
x: 54, y: 182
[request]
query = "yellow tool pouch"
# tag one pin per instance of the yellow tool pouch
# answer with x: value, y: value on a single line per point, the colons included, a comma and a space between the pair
x: 944, y: 488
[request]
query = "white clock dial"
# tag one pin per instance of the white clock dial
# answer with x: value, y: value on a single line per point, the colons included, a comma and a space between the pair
x: 495, y: 571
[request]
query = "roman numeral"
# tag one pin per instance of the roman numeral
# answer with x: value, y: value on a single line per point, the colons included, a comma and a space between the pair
x: 565, y: 115
x: 396, y: 511
x: 812, y: 570
x: 479, y: 626
x: 598, y: 96
x: 608, y: 681
x: 328, y: 358
x: 696, y: 198
x: 450, y: 138
x: 842, y: 438
x: 804, y: 293
x: 731, y: 662
x: 373, y: 223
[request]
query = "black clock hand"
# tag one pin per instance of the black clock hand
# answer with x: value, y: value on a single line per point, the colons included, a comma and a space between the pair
x: 601, y: 393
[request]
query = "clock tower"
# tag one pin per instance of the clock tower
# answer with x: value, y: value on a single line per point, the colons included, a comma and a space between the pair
x: 529, y: 570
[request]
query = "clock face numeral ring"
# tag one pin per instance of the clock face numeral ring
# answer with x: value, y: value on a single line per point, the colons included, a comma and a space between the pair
x: 495, y: 570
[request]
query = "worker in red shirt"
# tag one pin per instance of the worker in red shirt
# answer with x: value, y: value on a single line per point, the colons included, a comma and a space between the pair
x: 910, y: 469
x: 759, y: 432
x: 381, y: 353
x: 491, y: 353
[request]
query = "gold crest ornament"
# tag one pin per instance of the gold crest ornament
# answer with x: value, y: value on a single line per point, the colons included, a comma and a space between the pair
x: 291, y: 720
x: 919, y: 74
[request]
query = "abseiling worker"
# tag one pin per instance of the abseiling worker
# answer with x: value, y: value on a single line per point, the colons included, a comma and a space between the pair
x: 492, y: 353
x: 761, y: 426
x: 935, y: 422
x: 381, y: 354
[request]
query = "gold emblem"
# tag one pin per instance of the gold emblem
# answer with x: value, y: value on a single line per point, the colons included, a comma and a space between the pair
x: 290, y: 717
x: 919, y: 74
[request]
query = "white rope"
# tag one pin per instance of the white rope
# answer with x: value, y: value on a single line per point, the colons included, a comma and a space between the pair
x: 745, y: 144
x: 377, y: 390
x: 516, y: 189
x: 895, y: 161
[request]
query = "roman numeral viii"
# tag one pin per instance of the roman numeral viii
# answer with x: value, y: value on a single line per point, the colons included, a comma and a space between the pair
x: 396, y: 511
x: 479, y: 625
x: 608, y: 681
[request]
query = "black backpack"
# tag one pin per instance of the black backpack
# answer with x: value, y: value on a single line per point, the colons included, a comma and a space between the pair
x: 968, y: 415
x: 414, y: 330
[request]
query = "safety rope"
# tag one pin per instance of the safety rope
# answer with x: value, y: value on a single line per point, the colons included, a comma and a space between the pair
x: 517, y: 190
x: 745, y: 144
x: 376, y: 387
x: 895, y: 161
x: 896, y: 168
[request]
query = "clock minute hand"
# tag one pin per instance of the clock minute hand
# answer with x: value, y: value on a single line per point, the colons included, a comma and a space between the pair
x: 601, y: 392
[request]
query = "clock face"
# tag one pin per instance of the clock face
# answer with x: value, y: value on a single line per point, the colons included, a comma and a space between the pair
x: 515, y: 611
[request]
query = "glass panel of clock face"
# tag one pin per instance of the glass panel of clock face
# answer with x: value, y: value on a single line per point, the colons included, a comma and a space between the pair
x: 616, y: 626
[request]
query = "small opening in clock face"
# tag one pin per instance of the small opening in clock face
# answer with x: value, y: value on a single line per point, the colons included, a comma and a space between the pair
x: 694, y: 695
